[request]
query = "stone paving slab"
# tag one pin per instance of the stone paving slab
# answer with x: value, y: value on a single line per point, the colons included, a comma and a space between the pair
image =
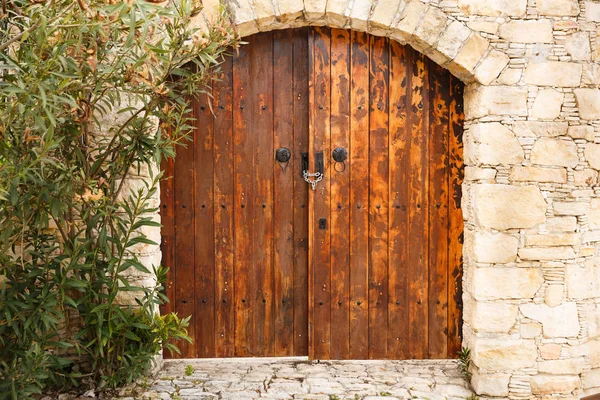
x: 298, y: 378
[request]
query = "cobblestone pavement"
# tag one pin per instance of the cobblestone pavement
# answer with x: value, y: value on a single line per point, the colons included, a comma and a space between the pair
x: 297, y: 378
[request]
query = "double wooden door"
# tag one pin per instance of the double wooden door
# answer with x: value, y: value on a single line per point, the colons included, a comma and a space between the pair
x: 366, y: 265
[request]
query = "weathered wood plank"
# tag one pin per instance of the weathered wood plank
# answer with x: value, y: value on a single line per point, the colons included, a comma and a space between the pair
x: 223, y: 210
x: 378, y: 197
x: 300, y: 131
x: 184, y: 241
x: 418, y: 207
x: 439, y: 101
x: 359, y: 196
x: 243, y: 200
x: 398, y: 199
x: 283, y: 194
x: 261, y: 73
x: 204, y: 256
x: 167, y: 244
x: 320, y: 238
x: 340, y: 195
x: 456, y: 229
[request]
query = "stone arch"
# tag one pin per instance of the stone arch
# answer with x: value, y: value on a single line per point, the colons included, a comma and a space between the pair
x: 425, y: 27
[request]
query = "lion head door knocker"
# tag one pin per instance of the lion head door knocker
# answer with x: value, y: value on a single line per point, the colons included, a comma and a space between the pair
x: 282, y: 155
x: 339, y: 155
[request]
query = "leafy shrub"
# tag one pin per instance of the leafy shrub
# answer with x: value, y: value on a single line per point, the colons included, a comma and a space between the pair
x: 83, y: 86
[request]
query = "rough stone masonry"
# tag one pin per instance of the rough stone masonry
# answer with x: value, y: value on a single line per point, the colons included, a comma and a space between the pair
x: 532, y: 153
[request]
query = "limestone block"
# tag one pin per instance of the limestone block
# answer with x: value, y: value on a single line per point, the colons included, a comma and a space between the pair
x: 559, y: 8
x: 550, y: 351
x: 555, y: 152
x: 503, y: 354
x: 554, y: 295
x: 554, y: 384
x: 494, y: 8
x: 336, y: 13
x: 482, y: 101
x: 538, y: 174
x: 505, y: 283
x: 530, y: 330
x: 588, y: 101
x: 586, y: 177
x: 591, y: 74
x: 264, y: 13
x: 452, y: 39
x: 583, y: 282
x: 547, y: 104
x: 552, y: 239
x: 557, y: 322
x: 591, y: 379
x: 492, y: 143
x: 476, y: 173
x: 561, y: 224
x: 430, y: 29
x: 547, y: 253
x: 410, y: 17
x: 471, y: 53
x: 582, y: 132
x: 527, y: 31
x: 594, y: 352
x: 578, y: 46
x: 490, y: 27
x: 314, y: 10
x: 540, y: 129
x: 491, y: 66
x: 495, y: 385
x: 553, y: 73
x: 505, y: 207
x: 570, y: 208
x: 359, y: 14
x: 495, y: 248
x: 491, y: 317
x: 571, y: 366
x: 594, y: 214
x: 384, y: 13
x: 510, y: 76
x: 243, y: 17
x: 592, y: 11
x: 290, y: 10
x: 592, y: 155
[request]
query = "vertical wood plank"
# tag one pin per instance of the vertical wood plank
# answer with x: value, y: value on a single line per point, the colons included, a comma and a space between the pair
x: 223, y: 209
x: 359, y: 196
x: 378, y: 197
x: 340, y: 195
x: 320, y: 238
x: 300, y: 131
x: 439, y: 92
x: 456, y: 228
x: 399, y: 143
x: 167, y: 244
x: 418, y: 208
x: 243, y: 199
x: 283, y: 194
x: 261, y: 73
x: 204, y: 231
x: 184, y: 241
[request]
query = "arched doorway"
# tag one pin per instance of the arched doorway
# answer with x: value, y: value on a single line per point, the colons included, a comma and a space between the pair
x: 367, y: 265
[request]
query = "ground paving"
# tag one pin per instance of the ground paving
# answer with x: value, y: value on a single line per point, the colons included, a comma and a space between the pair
x: 297, y: 378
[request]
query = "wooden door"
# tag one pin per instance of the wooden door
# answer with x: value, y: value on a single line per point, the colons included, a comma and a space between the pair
x: 235, y: 220
x: 368, y: 265
x: 385, y: 226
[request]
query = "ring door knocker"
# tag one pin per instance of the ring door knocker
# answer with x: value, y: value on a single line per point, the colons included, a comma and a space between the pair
x: 308, y: 176
x: 339, y: 155
x: 283, y: 155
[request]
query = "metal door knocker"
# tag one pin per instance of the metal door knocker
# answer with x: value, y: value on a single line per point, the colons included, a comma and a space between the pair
x: 282, y: 155
x: 339, y: 155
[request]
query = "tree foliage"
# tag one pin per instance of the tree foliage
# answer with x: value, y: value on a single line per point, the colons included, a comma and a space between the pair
x: 91, y: 93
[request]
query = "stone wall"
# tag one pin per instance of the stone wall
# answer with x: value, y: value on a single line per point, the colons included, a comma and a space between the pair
x: 532, y: 153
